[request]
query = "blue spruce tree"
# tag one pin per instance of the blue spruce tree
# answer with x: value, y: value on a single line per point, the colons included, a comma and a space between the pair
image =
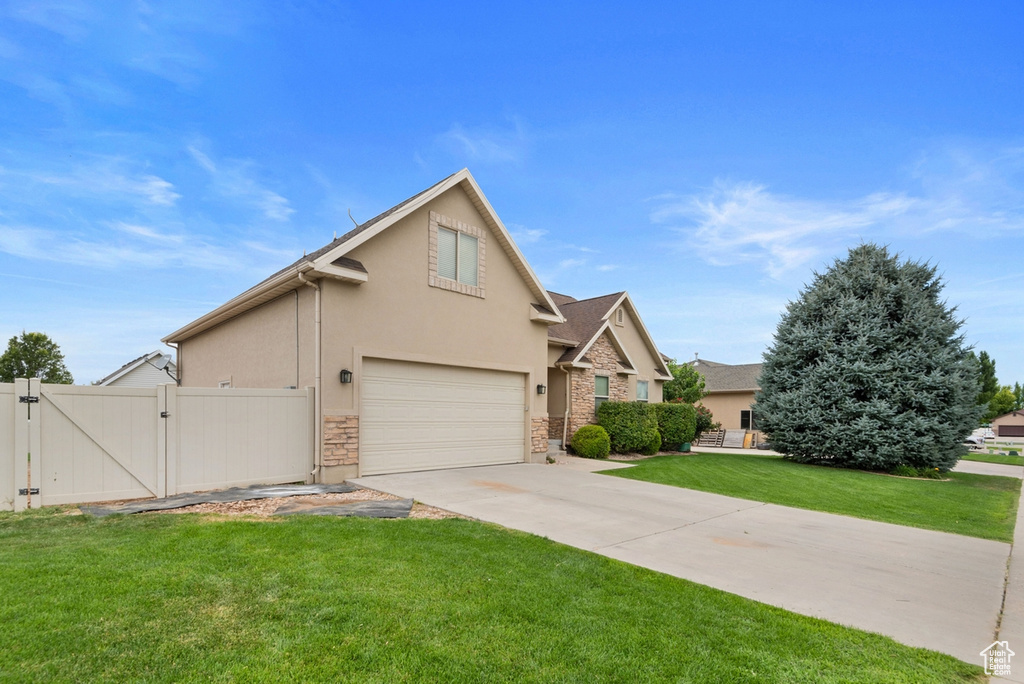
x: 868, y: 369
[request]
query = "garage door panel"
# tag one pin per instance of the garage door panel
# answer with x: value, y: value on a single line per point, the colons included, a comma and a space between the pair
x: 418, y: 416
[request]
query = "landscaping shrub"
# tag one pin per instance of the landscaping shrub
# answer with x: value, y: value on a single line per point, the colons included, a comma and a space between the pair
x: 631, y: 425
x: 653, y: 447
x: 904, y: 471
x: 591, y: 441
x: 677, y: 424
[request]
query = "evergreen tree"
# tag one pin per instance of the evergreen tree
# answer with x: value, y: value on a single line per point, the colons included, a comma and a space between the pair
x: 868, y: 370
x: 34, y: 354
x: 989, y: 383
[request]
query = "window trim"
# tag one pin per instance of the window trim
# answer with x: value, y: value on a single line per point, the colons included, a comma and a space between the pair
x: 647, y: 391
x: 434, y: 279
x: 601, y: 398
x: 751, y: 424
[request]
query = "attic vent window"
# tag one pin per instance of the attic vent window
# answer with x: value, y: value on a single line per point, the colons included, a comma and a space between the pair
x: 456, y: 258
x: 619, y: 317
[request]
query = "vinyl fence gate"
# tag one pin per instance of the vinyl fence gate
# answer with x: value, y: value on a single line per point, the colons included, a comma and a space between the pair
x: 66, y: 444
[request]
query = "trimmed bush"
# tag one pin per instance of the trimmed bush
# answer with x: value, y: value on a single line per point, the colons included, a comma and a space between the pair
x: 653, y: 447
x: 591, y: 441
x: 631, y: 425
x: 677, y: 424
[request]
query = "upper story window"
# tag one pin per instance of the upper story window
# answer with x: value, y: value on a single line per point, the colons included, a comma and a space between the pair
x: 641, y: 390
x: 457, y: 256
x: 600, y: 390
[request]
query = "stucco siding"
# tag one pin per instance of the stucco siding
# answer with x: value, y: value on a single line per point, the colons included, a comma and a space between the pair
x: 260, y: 348
x: 396, y: 314
x: 726, y: 407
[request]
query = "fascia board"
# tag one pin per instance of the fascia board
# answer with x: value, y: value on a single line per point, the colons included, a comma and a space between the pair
x: 129, y: 368
x: 349, y: 275
x: 249, y: 299
x: 644, y: 333
x: 522, y: 265
x: 621, y: 348
x: 550, y: 319
x: 384, y: 224
x: 563, y: 342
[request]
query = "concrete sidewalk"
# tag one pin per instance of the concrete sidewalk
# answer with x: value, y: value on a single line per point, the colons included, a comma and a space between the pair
x: 930, y: 589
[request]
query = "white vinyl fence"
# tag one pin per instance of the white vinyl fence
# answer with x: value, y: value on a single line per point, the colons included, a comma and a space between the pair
x: 62, y: 444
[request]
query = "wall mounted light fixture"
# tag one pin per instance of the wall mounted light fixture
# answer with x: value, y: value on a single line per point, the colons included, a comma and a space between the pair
x: 346, y: 376
x: 541, y: 389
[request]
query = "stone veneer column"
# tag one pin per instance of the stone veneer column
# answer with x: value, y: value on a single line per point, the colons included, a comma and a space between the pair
x: 341, y: 440
x: 539, y: 435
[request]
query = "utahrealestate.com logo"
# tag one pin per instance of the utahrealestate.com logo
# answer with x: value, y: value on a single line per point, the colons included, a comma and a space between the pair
x: 997, y: 658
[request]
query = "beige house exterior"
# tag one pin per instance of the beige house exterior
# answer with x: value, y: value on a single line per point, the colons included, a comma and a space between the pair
x: 1009, y: 424
x: 426, y: 335
x: 731, y: 390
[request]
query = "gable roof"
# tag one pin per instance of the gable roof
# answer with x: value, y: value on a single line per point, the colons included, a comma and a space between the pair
x: 587, y: 319
x: 330, y: 261
x: 720, y: 377
x: 132, y: 365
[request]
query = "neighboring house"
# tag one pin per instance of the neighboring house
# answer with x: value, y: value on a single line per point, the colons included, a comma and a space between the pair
x: 145, y: 371
x: 731, y: 390
x: 1009, y: 424
x: 602, y: 352
x: 427, y: 336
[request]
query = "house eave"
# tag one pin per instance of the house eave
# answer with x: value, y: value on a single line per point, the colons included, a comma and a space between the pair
x: 248, y: 300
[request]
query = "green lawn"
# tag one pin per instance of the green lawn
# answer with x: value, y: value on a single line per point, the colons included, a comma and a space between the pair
x: 974, y: 505
x: 175, y: 598
x: 986, y: 457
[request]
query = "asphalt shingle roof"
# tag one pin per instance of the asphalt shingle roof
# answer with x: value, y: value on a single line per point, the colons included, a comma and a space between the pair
x: 583, y: 318
x: 722, y: 378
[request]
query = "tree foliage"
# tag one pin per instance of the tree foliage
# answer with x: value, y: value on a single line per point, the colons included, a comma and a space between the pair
x: 989, y: 383
x: 1001, y: 403
x: 687, y: 384
x: 868, y: 369
x: 34, y: 354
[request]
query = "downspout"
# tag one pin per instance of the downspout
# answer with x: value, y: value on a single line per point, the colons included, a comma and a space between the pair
x: 177, y: 362
x: 318, y: 456
x: 568, y: 404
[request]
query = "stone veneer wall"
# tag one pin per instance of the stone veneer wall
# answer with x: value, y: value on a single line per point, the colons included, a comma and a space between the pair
x: 555, y: 425
x: 605, y: 360
x: 539, y: 435
x: 341, y: 440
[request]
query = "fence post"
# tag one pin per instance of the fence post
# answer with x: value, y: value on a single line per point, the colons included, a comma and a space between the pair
x: 170, y: 433
x: 35, y: 445
x: 20, y: 444
x: 161, y: 440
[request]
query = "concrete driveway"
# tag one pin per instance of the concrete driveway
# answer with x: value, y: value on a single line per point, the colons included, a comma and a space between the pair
x: 930, y: 589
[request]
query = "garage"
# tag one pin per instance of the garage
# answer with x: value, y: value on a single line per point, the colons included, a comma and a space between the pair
x: 418, y: 416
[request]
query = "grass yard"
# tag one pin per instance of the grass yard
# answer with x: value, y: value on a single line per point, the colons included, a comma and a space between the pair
x: 988, y: 457
x: 174, y: 598
x: 974, y: 505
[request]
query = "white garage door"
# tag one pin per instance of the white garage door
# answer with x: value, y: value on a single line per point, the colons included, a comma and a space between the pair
x: 418, y: 416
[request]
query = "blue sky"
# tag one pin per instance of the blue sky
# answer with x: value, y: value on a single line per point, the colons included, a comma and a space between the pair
x: 157, y: 159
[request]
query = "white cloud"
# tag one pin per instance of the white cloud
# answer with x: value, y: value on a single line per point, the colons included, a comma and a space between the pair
x: 44, y: 245
x: 736, y: 223
x: 607, y: 267
x: 525, y: 236
x: 486, y: 144
x: 145, y: 232
x: 105, y: 178
x: 235, y: 179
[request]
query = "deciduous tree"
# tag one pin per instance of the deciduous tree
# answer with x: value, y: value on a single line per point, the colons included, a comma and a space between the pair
x: 31, y: 355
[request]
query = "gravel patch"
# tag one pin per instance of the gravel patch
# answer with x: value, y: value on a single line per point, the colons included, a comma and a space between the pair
x: 265, y: 508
